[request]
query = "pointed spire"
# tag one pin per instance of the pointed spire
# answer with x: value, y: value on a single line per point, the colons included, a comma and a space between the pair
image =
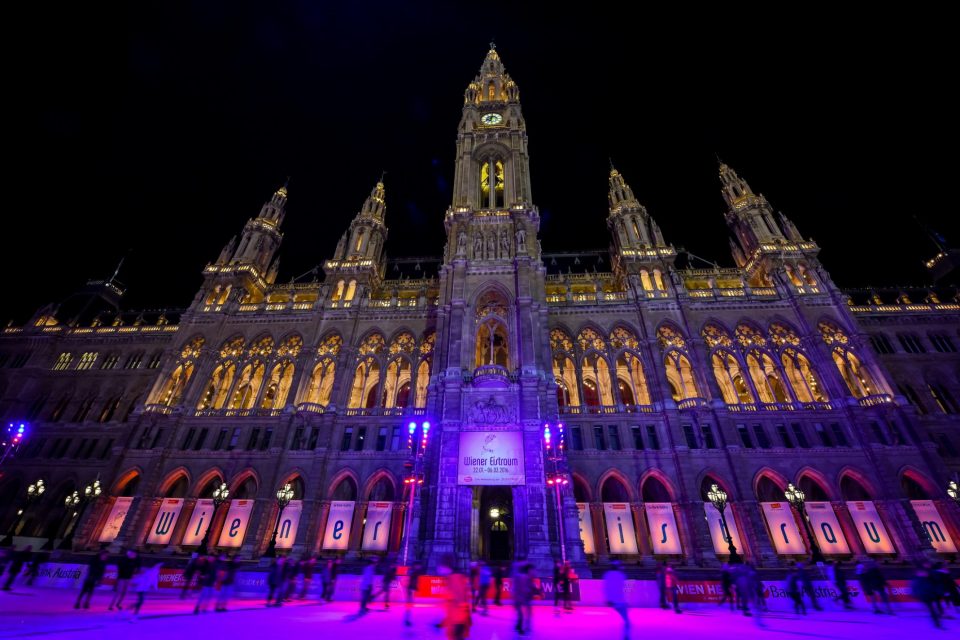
x: 375, y: 206
x: 620, y: 194
x: 493, y: 83
x: 735, y: 188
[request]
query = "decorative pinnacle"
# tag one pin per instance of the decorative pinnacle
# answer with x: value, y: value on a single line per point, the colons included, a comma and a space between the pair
x: 493, y: 45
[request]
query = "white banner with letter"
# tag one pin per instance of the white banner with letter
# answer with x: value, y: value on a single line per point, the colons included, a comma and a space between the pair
x: 826, y: 527
x: 620, y: 531
x: 718, y: 534
x: 166, y: 520
x: 586, y: 527
x: 783, y: 528
x: 289, y: 522
x: 931, y: 521
x: 870, y: 528
x: 376, y: 533
x: 200, y: 519
x: 118, y: 513
x: 491, y: 458
x: 235, y: 526
x: 337, y: 534
x: 664, y: 535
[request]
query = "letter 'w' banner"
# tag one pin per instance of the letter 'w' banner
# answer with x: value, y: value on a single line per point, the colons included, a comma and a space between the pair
x: 289, y: 521
x: 783, y: 528
x: 115, y: 520
x: 376, y: 533
x: 937, y: 531
x: 337, y: 534
x: 586, y: 527
x: 663, y: 528
x: 870, y: 528
x: 166, y: 520
x: 823, y: 521
x: 620, y: 531
x: 235, y: 526
x: 199, y: 521
x: 717, y: 534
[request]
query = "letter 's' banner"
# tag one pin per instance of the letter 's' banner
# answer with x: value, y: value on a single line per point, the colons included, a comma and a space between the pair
x: 118, y: 513
x: 717, y: 534
x: 870, y: 528
x: 586, y: 527
x: 166, y: 520
x: 620, y: 531
x: 337, y: 534
x: 376, y: 533
x: 200, y: 519
x: 289, y: 521
x: 235, y: 526
x: 664, y: 535
x: 783, y: 528
x: 933, y: 524
x: 491, y: 458
x: 823, y: 521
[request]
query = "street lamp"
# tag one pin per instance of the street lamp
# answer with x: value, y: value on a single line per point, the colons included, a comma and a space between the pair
x: 796, y: 499
x: 34, y: 491
x: 90, y: 493
x: 13, y: 439
x: 418, y: 447
x: 556, y: 478
x: 953, y: 490
x: 718, y: 498
x: 284, y: 496
x: 220, y: 495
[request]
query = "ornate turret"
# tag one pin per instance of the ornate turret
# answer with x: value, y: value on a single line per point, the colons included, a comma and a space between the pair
x: 359, y: 258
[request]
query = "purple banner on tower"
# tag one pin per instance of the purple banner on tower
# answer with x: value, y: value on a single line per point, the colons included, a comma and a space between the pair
x: 491, y: 458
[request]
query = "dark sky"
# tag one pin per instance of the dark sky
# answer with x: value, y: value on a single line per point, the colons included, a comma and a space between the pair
x: 163, y: 130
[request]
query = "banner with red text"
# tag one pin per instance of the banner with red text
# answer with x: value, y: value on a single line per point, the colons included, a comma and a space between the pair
x: 118, y: 513
x: 376, y: 532
x: 664, y: 535
x: 289, y: 522
x: 783, y: 528
x: 933, y: 524
x: 337, y: 534
x: 162, y: 529
x: 620, y: 531
x: 200, y: 519
x: 870, y: 527
x: 826, y: 527
x: 586, y: 527
x: 718, y: 534
x: 235, y: 526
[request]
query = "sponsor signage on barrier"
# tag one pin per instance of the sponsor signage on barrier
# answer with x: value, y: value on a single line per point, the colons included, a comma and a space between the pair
x: 118, y: 513
x: 289, y: 522
x: 337, y: 534
x: 491, y: 458
x: 664, y: 535
x: 200, y: 519
x: 376, y: 532
x: 823, y: 521
x: 870, y: 528
x: 586, y: 527
x: 620, y: 531
x: 933, y: 524
x: 783, y: 528
x: 435, y: 587
x: 235, y: 526
x: 166, y: 520
x: 718, y: 534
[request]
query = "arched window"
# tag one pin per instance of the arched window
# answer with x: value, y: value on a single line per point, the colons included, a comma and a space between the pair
x: 597, y: 387
x: 769, y: 491
x: 726, y: 370
x: 858, y: 379
x: 338, y: 293
x: 614, y: 490
x: 351, y: 291
x: 677, y: 365
x: 247, y: 490
x: 382, y: 491
x: 492, y: 344
x: 853, y: 489
x: 766, y: 377
x: 813, y: 489
x: 346, y: 489
x: 491, y: 184
x: 366, y: 377
x: 653, y: 490
x: 423, y: 381
x: 172, y: 390
x: 321, y: 380
x: 803, y: 379
x: 281, y: 376
x: 913, y: 489
x: 396, y: 384
x: 248, y: 385
x: 218, y: 387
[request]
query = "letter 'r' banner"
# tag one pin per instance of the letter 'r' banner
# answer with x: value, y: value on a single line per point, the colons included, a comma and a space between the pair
x: 936, y: 530
x: 783, y: 528
x: 337, y: 534
x: 376, y: 533
x: 289, y: 522
x: 586, y: 527
x: 823, y: 521
x: 620, y: 531
x: 166, y: 520
x: 664, y: 535
x: 235, y: 526
x: 870, y: 528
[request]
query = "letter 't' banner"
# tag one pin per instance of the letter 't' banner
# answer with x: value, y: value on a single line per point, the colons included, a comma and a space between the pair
x: 376, y: 533
x: 717, y: 533
x: 289, y: 521
x: 931, y: 521
x: 586, y: 527
x: 823, y: 521
x: 339, y: 521
x: 235, y: 526
x: 200, y: 519
x: 620, y: 531
x: 118, y: 513
x: 870, y: 527
x: 166, y: 520
x: 664, y: 535
x: 783, y: 528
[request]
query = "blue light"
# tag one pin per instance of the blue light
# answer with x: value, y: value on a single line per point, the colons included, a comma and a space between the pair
x: 412, y: 427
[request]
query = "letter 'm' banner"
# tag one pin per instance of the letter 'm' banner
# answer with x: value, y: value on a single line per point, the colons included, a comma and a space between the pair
x: 289, y: 521
x: 337, y: 534
x: 936, y: 530
x: 870, y: 527
x: 376, y: 533
x: 166, y: 520
x: 586, y: 527
x: 664, y: 535
x: 620, y: 531
x: 783, y: 528
x: 235, y: 526
x: 200, y: 519
x: 118, y: 513
x: 823, y: 521
x: 717, y: 533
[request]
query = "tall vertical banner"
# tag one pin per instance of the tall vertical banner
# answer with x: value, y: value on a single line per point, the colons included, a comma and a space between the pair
x: 235, y: 526
x: 337, y: 534
x: 200, y: 519
x: 870, y: 528
x: 118, y: 513
x: 936, y: 530
x: 376, y: 532
x: 162, y: 529
x: 289, y: 522
x: 620, y: 531
x: 718, y: 534
x: 586, y: 527
x: 664, y: 535
x: 826, y: 527
x: 783, y: 528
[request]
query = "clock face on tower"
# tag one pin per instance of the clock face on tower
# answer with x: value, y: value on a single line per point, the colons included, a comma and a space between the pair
x: 492, y: 118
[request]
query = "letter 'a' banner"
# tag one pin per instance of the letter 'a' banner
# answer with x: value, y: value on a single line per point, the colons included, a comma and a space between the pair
x: 937, y: 531
x: 289, y: 521
x: 870, y: 528
x: 586, y: 527
x: 664, y: 535
x: 783, y: 528
x: 115, y: 520
x: 717, y: 534
x: 166, y: 520
x: 376, y: 533
x: 620, y: 531
x: 337, y: 534
x: 823, y: 521
x: 235, y: 526
x: 200, y: 519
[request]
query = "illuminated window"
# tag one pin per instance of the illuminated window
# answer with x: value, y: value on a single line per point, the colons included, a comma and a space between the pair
x: 63, y: 361
x: 110, y: 362
x: 87, y: 360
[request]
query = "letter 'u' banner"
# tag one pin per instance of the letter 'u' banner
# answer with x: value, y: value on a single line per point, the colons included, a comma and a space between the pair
x: 118, y: 513
x: 235, y: 526
x: 376, y: 533
x: 717, y: 534
x: 620, y: 531
x: 586, y: 527
x: 166, y: 520
x: 823, y: 521
x: 936, y: 530
x: 200, y: 519
x: 783, y: 528
x: 870, y: 528
x: 337, y: 534
x: 664, y: 535
x: 289, y: 521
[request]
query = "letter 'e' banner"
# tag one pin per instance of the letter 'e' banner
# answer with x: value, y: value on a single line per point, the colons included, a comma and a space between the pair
x: 235, y: 526
x: 664, y: 535
x: 717, y: 532
x: 376, y: 533
x: 166, y: 520
x: 936, y: 530
x: 337, y: 534
x: 289, y: 522
x: 823, y: 521
x: 620, y: 531
x: 870, y: 528
x: 586, y: 527
x: 783, y: 528
x: 118, y: 513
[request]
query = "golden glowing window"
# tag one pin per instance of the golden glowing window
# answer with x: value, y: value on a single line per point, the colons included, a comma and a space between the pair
x: 330, y: 345
x: 231, y: 349
x: 781, y: 335
x: 831, y: 333
x: 749, y: 336
x: 667, y: 336
x: 428, y: 343
x: 402, y: 343
x: 192, y: 348
x: 622, y: 337
x: 716, y: 336
x: 290, y: 347
x: 590, y: 339
x: 373, y: 343
x: 262, y: 347
x: 560, y: 340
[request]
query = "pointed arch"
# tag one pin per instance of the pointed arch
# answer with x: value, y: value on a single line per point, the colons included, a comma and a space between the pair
x: 591, y: 338
x: 348, y: 476
x: 615, y: 476
x: 174, y: 476
x: 769, y: 485
x: 812, y: 482
x: 917, y: 485
x: 659, y: 477
x: 854, y: 485
x: 581, y: 489
x: 127, y: 482
x: 398, y: 376
x: 207, y: 482
x: 710, y: 477
x: 297, y: 481
x: 380, y: 487
x: 245, y: 482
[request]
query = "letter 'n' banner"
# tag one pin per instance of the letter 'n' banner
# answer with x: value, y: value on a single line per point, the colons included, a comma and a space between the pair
x: 823, y: 521
x: 664, y: 535
x: 717, y: 532
x: 200, y: 519
x: 118, y: 513
x: 870, y: 528
x: 235, y: 526
x: 783, y: 528
x: 586, y: 527
x: 337, y: 534
x: 936, y: 530
x: 289, y: 521
x: 166, y: 520
x: 620, y: 531
x: 376, y: 533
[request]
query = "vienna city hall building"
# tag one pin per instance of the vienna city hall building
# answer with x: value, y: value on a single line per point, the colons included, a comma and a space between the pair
x: 405, y: 401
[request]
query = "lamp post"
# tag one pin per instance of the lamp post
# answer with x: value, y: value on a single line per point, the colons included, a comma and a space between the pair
x: 718, y: 498
x: 418, y: 447
x: 284, y: 496
x: 953, y: 490
x: 220, y: 495
x: 796, y: 498
x: 12, y: 439
x: 34, y: 492
x: 556, y: 478
x: 90, y: 493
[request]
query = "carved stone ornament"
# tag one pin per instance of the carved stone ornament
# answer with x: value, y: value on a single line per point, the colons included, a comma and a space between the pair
x: 491, y: 411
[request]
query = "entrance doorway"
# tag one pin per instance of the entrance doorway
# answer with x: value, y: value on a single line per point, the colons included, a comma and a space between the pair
x: 496, y: 524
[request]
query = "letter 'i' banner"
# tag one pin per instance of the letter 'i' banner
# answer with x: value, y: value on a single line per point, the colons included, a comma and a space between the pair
x: 783, y: 528
x: 166, y: 520
x: 936, y: 530
x: 870, y: 528
x: 620, y: 531
x: 586, y: 527
x: 200, y: 519
x: 235, y: 526
x: 118, y: 513
x: 717, y: 532
x: 823, y: 521
x: 664, y: 535
x: 337, y: 534
x: 289, y: 521
x: 376, y: 533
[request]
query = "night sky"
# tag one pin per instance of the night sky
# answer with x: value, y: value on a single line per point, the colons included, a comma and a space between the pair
x: 160, y: 132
